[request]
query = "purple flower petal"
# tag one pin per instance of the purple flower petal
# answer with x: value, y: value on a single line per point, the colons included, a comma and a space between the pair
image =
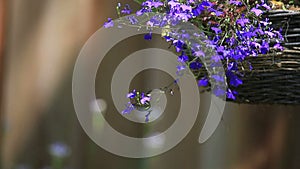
x: 180, y: 67
x: 199, y: 53
x: 231, y: 94
x: 173, y: 4
x: 183, y: 58
x: 256, y: 11
x: 132, y: 19
x: 148, y: 36
x: 126, y: 10
x: 218, y: 91
x: 109, y: 23
x: 195, y: 65
x: 131, y: 94
x: 129, y: 108
x: 218, y: 78
x: 266, y: 6
x: 145, y: 99
x: 234, y: 80
x: 242, y: 21
x: 278, y: 46
x: 186, y: 8
x: 198, y: 10
x: 203, y: 82
x: 217, y: 30
x: 206, y: 4
x: 238, y: 3
x: 218, y: 13
x: 264, y: 47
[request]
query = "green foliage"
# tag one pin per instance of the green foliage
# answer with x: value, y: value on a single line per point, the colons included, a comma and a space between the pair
x: 139, y: 1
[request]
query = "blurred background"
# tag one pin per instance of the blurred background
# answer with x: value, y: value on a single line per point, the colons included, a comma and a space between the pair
x: 39, y: 44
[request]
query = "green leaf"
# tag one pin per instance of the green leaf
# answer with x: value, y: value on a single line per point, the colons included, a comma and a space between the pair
x: 118, y: 11
x: 139, y: 1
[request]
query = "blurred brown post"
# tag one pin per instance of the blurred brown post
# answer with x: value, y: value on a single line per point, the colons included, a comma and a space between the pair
x: 2, y: 25
x: 2, y: 11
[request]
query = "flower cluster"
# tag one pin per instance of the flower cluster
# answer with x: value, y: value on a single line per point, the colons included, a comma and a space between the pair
x: 138, y: 100
x: 235, y: 29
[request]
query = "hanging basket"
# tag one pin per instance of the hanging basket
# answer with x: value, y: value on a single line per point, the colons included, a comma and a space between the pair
x: 275, y: 78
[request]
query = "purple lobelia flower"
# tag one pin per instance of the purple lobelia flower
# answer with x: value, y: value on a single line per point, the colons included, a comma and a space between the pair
x: 218, y: 78
x: 132, y: 19
x: 238, y: 3
x: 132, y: 94
x: 195, y: 65
x: 216, y: 12
x: 242, y: 21
x: 152, y: 4
x: 278, y: 46
x: 148, y: 36
x: 203, y: 82
x: 109, y: 23
x: 183, y: 58
x: 218, y: 91
x: 216, y: 30
x: 234, y: 80
x: 256, y: 11
x: 264, y: 47
x: 199, y: 53
x: 198, y: 10
x: 266, y: 6
x: 129, y: 108
x: 145, y: 99
x: 126, y: 10
x: 185, y: 8
x: 232, y: 39
x: 138, y: 100
x: 206, y: 3
x: 231, y: 94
